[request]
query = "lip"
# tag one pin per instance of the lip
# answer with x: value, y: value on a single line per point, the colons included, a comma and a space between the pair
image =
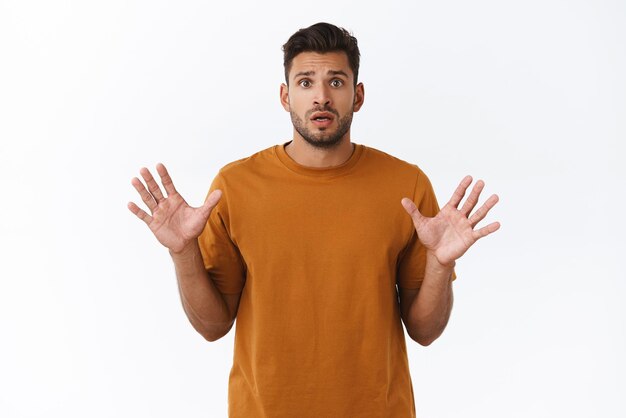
x: 322, y: 123
x: 322, y: 115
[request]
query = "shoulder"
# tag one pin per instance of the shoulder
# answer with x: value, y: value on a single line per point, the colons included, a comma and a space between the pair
x: 387, y: 162
x: 396, y: 170
x: 248, y: 165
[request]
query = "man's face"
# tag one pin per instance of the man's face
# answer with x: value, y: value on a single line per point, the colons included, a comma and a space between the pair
x: 321, y: 97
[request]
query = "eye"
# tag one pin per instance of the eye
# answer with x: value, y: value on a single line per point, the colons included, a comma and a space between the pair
x: 305, y: 83
x: 336, y: 82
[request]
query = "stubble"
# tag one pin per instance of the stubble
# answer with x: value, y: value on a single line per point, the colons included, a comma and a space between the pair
x: 321, y: 139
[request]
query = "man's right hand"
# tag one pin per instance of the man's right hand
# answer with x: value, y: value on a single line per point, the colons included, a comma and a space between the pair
x: 174, y: 223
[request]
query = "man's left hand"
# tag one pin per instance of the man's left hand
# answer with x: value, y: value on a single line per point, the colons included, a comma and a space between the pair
x: 451, y: 232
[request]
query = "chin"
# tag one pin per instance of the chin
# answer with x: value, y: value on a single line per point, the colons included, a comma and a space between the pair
x: 325, y: 143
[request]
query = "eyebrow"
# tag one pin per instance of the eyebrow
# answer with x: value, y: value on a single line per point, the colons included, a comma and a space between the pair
x: 330, y: 72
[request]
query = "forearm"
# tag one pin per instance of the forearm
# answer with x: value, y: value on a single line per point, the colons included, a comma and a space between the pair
x: 203, y: 303
x: 429, y: 313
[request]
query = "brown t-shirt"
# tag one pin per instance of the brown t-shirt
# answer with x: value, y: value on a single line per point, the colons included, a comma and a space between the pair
x: 317, y: 254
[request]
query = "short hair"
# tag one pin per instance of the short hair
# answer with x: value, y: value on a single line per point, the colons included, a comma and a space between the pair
x: 322, y: 37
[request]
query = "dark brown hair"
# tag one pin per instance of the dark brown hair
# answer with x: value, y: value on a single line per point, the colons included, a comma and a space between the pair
x: 322, y: 37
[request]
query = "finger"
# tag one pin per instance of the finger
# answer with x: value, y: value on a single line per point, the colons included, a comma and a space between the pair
x: 480, y: 214
x: 472, y: 199
x: 460, y: 191
x: 412, y: 210
x: 141, y: 214
x: 484, y: 231
x: 147, y: 198
x: 168, y: 184
x: 152, y: 184
x: 210, y: 202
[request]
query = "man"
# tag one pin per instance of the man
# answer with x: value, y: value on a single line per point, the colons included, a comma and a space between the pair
x: 308, y: 246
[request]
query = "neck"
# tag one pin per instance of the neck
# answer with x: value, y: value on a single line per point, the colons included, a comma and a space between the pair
x: 307, y: 155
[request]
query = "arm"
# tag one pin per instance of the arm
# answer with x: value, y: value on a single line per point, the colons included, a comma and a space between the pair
x: 426, y: 311
x: 210, y: 312
x: 446, y: 237
x: 177, y: 226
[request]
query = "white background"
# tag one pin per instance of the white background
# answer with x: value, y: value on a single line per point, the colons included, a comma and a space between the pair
x: 530, y: 96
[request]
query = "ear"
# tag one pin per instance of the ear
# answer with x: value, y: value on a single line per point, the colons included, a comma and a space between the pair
x: 359, y: 97
x: 284, y: 97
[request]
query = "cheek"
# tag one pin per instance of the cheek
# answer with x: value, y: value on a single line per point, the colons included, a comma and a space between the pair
x: 345, y: 103
x: 297, y: 104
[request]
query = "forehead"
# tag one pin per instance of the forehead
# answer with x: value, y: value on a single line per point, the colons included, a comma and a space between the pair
x: 320, y: 63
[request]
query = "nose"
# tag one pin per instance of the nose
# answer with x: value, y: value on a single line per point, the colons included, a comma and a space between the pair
x: 322, y: 96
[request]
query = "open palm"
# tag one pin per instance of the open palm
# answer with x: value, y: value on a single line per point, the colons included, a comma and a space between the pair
x: 451, y: 232
x: 172, y: 221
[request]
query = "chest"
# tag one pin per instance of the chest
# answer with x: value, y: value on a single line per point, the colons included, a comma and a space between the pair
x: 332, y: 220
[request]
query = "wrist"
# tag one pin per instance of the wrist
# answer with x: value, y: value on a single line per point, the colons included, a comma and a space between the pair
x: 189, y: 249
x: 435, y: 263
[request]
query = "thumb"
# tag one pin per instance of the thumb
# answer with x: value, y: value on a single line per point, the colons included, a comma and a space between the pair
x: 210, y: 202
x: 412, y: 210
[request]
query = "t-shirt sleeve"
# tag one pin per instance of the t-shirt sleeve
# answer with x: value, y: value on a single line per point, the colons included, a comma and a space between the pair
x: 221, y: 256
x: 412, y: 264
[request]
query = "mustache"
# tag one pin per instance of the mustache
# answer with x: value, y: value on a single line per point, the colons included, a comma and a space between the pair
x: 321, y: 109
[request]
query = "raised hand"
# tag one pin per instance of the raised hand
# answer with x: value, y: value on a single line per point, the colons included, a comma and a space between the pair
x: 174, y: 223
x: 451, y: 232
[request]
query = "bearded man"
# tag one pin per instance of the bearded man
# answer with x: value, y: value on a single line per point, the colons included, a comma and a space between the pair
x: 320, y: 248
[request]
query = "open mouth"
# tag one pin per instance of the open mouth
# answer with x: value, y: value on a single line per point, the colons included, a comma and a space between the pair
x: 322, y: 118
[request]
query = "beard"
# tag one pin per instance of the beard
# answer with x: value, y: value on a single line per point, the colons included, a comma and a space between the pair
x: 322, y: 139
